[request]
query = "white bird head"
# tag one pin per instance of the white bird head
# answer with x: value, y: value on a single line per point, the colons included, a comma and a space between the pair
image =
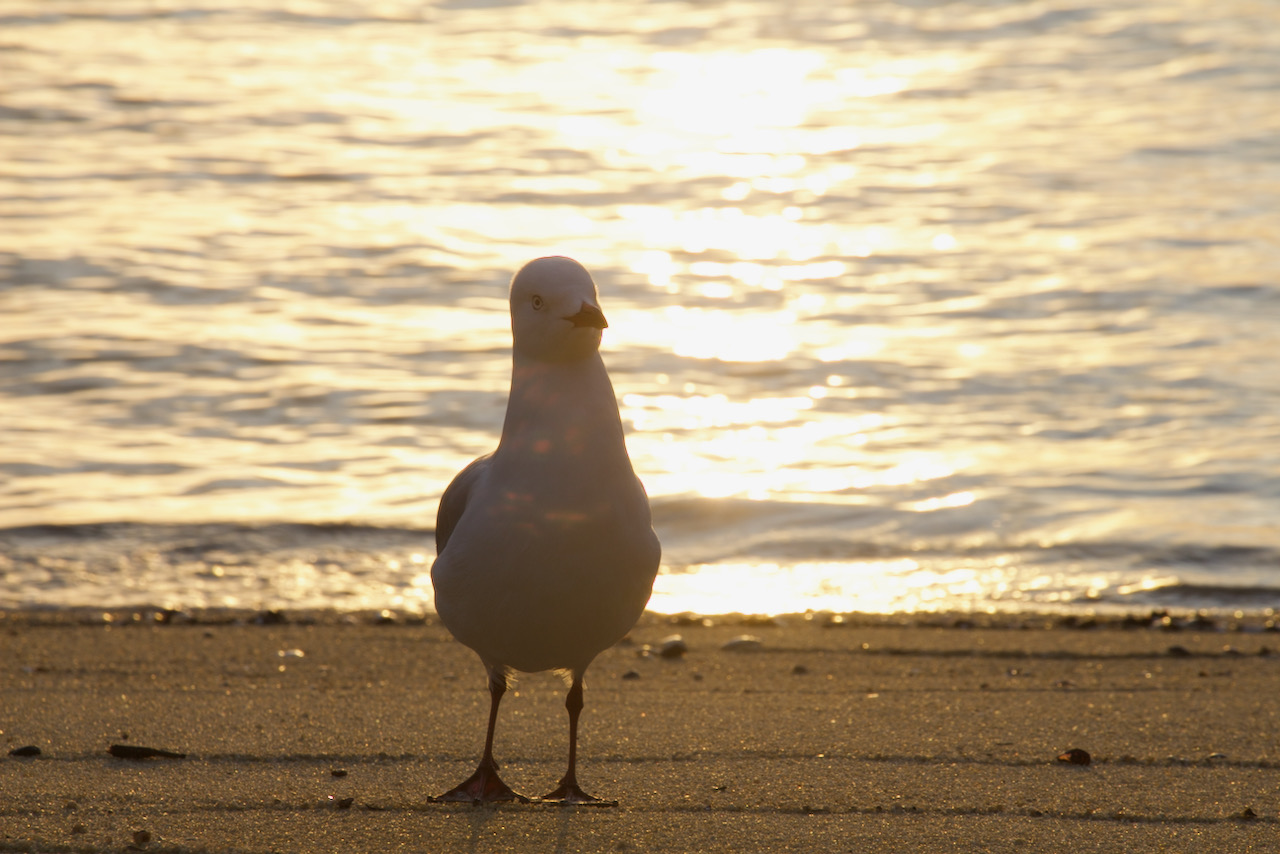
x: 555, y: 311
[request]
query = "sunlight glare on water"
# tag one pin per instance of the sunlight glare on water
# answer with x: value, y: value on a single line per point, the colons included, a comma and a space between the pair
x: 912, y: 305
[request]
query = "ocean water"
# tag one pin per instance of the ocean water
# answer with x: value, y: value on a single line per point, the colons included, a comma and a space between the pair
x: 913, y: 305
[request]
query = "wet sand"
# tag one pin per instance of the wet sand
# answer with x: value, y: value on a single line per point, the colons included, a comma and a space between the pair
x: 318, y: 732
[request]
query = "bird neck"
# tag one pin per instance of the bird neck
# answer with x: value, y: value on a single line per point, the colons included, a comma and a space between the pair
x: 561, y: 409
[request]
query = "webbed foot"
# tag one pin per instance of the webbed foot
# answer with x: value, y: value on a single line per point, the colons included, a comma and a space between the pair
x: 482, y: 787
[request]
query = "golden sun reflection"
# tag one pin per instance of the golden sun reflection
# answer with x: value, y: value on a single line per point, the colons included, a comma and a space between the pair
x: 702, y: 412
x: 752, y: 237
x: 879, y: 586
x: 867, y: 285
x: 757, y: 117
x: 726, y: 94
x: 779, y: 447
x: 770, y: 588
x: 755, y: 102
x: 956, y: 499
x: 706, y: 334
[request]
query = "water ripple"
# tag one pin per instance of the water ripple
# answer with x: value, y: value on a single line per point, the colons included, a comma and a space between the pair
x: 911, y: 305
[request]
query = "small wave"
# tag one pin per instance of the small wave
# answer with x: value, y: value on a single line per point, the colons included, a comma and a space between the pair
x: 356, y: 566
x: 342, y: 567
x: 1192, y: 596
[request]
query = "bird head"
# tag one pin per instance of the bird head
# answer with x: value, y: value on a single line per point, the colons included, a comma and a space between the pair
x: 555, y: 311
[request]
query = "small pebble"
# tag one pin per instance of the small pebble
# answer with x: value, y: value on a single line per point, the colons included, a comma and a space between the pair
x: 799, y: 670
x: 141, y: 837
x: 338, y: 772
x: 743, y: 643
x: 29, y: 750
x: 631, y: 674
x: 671, y: 647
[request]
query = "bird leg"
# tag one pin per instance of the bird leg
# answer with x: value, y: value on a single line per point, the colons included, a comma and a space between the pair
x: 485, y: 786
x: 568, y: 792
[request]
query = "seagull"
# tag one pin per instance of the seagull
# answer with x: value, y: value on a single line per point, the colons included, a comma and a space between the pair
x: 546, y: 552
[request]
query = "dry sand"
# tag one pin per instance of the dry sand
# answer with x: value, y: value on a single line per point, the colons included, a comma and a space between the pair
x: 873, y: 734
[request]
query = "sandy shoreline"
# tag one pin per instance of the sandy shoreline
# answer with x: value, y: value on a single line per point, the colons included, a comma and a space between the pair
x: 928, y: 734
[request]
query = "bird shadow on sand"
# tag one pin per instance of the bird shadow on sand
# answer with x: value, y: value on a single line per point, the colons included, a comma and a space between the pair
x: 482, y: 818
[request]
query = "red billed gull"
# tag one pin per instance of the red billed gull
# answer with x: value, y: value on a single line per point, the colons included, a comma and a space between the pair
x: 546, y: 550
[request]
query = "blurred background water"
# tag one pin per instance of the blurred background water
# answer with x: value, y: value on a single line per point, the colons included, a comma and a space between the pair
x: 913, y: 305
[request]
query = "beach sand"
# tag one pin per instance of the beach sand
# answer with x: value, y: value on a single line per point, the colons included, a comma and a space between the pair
x: 325, y: 732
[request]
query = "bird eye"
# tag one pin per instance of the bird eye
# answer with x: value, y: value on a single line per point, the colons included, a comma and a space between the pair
x: 537, y: 303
